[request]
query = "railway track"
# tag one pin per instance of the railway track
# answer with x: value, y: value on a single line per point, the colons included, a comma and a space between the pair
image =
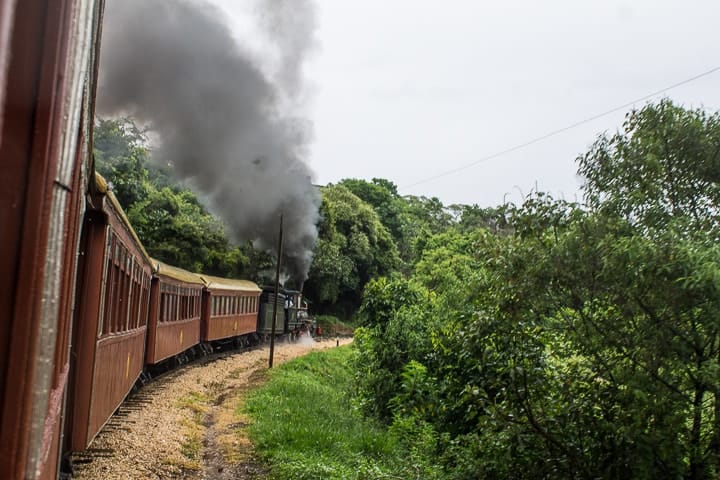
x: 142, y: 395
x: 149, y: 435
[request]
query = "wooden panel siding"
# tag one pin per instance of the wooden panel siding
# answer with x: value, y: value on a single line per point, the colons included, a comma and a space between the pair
x: 230, y: 313
x: 227, y: 326
x: 45, y: 51
x: 110, y: 329
x: 118, y: 365
x: 172, y: 338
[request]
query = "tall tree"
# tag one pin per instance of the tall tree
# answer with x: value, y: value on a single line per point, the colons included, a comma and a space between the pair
x: 664, y: 164
x: 354, y: 246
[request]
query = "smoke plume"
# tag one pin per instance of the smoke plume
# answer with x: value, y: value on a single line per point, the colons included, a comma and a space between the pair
x: 232, y: 131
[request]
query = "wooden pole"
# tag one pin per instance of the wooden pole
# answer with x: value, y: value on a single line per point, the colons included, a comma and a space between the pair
x: 277, y: 292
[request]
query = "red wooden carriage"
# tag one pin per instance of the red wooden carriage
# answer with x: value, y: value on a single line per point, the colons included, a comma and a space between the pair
x: 175, y: 310
x: 230, y: 308
x: 110, y: 326
x: 47, y: 82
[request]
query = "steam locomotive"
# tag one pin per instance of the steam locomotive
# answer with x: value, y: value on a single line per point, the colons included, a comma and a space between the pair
x: 84, y: 310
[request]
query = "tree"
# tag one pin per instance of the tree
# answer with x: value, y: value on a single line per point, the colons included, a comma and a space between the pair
x: 449, y: 258
x: 429, y: 211
x: 353, y: 247
x: 392, y: 209
x: 585, y: 341
x: 382, y: 195
x: 664, y: 164
x: 121, y: 157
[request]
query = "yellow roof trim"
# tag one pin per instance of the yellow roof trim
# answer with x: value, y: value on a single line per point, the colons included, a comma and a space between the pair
x: 217, y: 283
x: 101, y: 183
x: 176, y: 273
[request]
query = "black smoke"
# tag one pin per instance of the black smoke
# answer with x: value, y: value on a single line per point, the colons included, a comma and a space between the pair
x: 233, y: 132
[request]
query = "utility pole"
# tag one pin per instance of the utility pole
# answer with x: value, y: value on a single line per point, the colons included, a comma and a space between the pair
x: 277, y: 292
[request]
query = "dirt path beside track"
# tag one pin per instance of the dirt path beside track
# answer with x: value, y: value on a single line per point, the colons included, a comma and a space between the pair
x: 185, y: 425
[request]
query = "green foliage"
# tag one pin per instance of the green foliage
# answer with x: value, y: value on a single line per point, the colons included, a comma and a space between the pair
x: 179, y: 231
x: 472, y: 217
x: 665, y: 164
x: 382, y: 196
x: 572, y: 342
x: 450, y: 258
x: 121, y: 157
x: 410, y: 219
x: 354, y: 246
x: 332, y: 325
x: 384, y: 297
x: 396, y: 330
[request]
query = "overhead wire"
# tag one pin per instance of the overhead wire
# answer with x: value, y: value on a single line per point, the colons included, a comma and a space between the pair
x: 560, y: 130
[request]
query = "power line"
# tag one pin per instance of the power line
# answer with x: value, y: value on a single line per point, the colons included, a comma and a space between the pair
x: 560, y: 130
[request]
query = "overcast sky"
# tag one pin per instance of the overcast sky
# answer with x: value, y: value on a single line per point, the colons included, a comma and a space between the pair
x: 410, y: 89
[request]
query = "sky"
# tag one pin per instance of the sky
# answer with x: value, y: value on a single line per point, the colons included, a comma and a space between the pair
x: 410, y: 90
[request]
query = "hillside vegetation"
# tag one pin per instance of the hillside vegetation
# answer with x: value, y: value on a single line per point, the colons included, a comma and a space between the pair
x: 580, y: 341
x: 536, y: 341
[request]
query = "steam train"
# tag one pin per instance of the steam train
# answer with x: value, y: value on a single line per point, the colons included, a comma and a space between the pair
x: 84, y: 310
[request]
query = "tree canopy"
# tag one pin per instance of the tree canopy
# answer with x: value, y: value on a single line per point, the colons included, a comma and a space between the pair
x: 353, y: 247
x: 664, y: 165
x: 577, y: 341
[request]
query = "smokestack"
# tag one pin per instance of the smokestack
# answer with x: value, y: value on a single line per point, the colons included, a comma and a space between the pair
x: 232, y: 132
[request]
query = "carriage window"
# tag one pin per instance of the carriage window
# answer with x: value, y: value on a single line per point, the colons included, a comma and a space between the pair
x: 126, y: 293
x: 135, y: 297
x: 144, y: 298
x: 163, y: 299
x: 109, y: 284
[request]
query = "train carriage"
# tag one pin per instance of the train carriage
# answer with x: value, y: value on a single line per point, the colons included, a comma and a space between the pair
x: 175, y: 311
x: 48, y: 53
x: 230, y: 308
x: 267, y: 307
x: 110, y: 324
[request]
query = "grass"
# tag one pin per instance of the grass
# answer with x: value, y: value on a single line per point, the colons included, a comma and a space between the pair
x: 305, y: 427
x: 196, y: 403
x: 330, y: 325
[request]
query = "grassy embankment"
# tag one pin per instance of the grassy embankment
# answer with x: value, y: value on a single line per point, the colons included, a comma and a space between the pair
x: 305, y: 426
x: 332, y: 326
